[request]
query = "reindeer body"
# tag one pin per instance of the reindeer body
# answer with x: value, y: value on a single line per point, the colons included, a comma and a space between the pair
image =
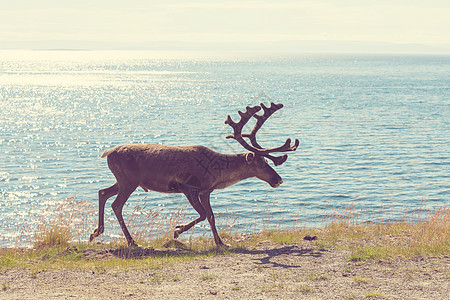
x: 162, y: 168
x: 195, y: 171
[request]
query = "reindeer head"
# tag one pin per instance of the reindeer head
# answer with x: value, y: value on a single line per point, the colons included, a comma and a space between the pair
x: 257, y: 153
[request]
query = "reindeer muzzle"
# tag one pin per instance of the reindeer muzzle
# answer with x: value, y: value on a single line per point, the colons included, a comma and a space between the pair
x: 277, y: 184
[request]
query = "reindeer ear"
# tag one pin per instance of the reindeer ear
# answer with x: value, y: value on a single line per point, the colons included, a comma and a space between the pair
x: 249, y: 157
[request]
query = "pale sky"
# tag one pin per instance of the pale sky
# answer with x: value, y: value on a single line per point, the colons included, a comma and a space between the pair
x: 134, y: 24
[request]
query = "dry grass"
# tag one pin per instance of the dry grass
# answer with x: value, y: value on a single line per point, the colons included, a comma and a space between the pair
x: 148, y: 224
x: 412, y: 235
x: 69, y: 223
x: 61, y: 223
x: 426, y: 236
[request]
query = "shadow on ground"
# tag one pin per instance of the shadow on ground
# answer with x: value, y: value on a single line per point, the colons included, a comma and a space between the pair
x: 264, y: 252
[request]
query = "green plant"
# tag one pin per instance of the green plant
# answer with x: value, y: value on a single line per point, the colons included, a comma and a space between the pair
x: 34, y: 273
x: 303, y: 288
x: 156, y: 279
x: 360, y: 280
x: 323, y: 245
x: 275, y: 275
x: 5, y: 286
x: 208, y: 277
x: 314, y: 277
x: 365, y: 253
x: 372, y: 295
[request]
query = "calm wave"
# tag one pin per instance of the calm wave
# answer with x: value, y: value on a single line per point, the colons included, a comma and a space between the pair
x: 374, y: 130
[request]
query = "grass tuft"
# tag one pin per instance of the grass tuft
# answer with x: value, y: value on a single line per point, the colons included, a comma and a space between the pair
x: 303, y: 288
x: 316, y: 277
x: 361, y: 280
x: 373, y: 295
x: 58, y: 225
x: 208, y: 277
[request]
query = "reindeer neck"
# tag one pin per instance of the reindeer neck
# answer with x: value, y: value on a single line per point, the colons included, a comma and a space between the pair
x: 237, y: 170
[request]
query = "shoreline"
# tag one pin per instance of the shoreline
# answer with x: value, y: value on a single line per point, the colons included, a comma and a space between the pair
x: 404, y: 260
x: 267, y: 270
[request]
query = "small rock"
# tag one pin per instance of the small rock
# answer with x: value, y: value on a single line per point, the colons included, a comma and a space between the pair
x: 212, y: 292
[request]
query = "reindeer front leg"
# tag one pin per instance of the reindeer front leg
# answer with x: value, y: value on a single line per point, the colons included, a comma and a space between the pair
x: 192, y: 193
x: 124, y: 193
x: 205, y: 201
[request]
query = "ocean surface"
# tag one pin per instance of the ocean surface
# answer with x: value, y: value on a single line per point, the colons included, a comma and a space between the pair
x: 374, y: 133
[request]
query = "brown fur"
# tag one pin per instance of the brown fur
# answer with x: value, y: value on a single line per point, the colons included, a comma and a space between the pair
x: 195, y: 171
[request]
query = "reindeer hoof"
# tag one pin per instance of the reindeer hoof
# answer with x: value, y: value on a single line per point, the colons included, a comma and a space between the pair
x: 221, y: 244
x: 132, y: 243
x: 178, y: 231
x: 96, y: 233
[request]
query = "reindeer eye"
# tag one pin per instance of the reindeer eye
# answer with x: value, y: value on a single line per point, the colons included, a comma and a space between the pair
x: 262, y: 162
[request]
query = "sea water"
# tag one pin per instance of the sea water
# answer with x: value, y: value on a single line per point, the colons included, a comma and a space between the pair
x: 374, y: 131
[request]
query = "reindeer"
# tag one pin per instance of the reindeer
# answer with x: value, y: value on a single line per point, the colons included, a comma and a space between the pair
x: 195, y: 171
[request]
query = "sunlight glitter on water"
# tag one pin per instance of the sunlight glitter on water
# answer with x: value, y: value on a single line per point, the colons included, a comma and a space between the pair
x: 370, y: 127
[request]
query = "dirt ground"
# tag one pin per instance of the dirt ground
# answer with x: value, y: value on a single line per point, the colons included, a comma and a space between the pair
x: 267, y: 271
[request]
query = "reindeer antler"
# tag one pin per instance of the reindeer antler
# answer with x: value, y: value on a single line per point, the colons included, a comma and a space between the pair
x: 237, y: 127
x: 268, y: 111
x: 256, y: 148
